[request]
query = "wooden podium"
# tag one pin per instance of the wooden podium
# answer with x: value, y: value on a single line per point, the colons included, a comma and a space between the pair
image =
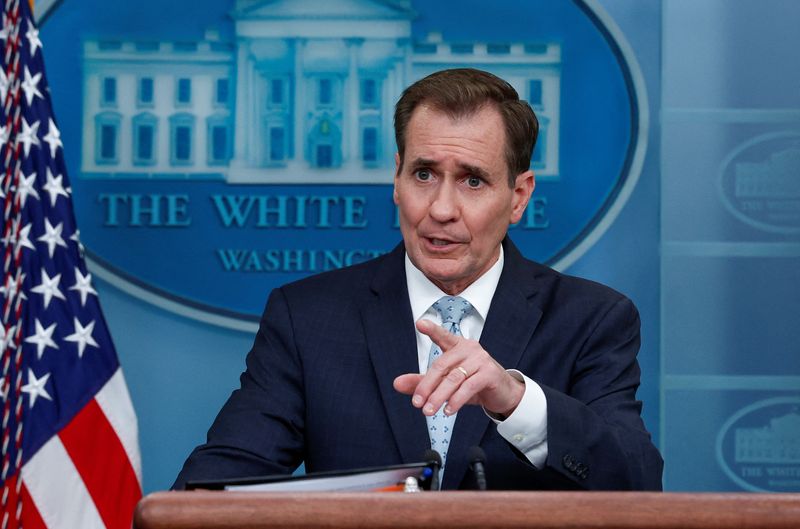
x: 466, y: 510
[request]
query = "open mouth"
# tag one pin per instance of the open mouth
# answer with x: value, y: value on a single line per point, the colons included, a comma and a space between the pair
x: 440, y: 244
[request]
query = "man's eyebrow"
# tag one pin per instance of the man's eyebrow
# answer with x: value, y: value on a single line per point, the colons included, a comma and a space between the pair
x: 475, y: 170
x: 423, y: 162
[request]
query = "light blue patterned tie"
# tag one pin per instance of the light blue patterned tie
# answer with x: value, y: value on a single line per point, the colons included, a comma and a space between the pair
x: 452, y: 309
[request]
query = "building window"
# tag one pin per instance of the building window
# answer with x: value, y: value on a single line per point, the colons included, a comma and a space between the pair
x: 147, y: 46
x: 222, y: 92
x: 422, y: 48
x: 107, y: 138
x: 498, y: 49
x: 181, y: 134
x: 324, y: 155
x: 461, y: 48
x: 369, y: 93
x: 539, y: 156
x: 109, y: 91
x: 109, y: 45
x: 183, y: 95
x: 146, y: 91
x: 108, y: 142
x: 144, y: 139
x: 183, y: 143
x: 536, y: 48
x: 219, y: 140
x: 277, y: 144
x: 369, y: 146
x: 185, y: 46
x: 535, y: 93
x: 537, y: 159
x: 219, y: 143
x: 276, y: 92
x: 325, y: 144
x: 325, y: 92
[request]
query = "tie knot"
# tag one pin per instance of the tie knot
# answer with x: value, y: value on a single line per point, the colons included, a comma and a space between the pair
x: 452, y: 309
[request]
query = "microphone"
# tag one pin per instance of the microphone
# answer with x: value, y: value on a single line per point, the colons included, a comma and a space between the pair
x: 477, y: 458
x: 434, y: 461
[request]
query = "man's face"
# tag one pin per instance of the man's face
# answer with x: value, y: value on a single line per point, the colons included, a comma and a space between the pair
x: 453, y: 195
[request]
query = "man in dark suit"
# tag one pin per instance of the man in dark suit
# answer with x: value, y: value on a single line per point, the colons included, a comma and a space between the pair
x: 538, y: 368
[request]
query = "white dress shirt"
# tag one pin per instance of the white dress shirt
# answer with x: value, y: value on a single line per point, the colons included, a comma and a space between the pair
x: 526, y: 427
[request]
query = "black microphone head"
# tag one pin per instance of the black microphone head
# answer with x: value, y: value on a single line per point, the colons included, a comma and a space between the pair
x: 432, y: 456
x: 476, y: 453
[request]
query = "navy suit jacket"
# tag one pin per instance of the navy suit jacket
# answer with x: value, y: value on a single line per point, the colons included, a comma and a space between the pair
x: 318, y: 383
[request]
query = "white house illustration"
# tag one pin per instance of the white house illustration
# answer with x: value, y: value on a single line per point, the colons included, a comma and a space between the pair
x: 305, y: 94
x: 778, y: 442
x: 777, y: 177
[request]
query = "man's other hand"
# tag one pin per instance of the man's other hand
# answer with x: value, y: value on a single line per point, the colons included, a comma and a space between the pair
x: 464, y: 374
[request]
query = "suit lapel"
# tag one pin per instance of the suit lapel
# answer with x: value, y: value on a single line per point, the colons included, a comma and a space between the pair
x: 392, y: 345
x: 512, y: 318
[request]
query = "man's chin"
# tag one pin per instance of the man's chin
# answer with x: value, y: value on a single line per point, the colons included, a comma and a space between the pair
x: 447, y: 278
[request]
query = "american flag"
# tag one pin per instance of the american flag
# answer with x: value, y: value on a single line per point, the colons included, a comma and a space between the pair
x: 70, y: 455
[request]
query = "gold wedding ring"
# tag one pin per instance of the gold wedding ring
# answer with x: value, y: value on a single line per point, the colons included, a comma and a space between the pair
x: 466, y: 375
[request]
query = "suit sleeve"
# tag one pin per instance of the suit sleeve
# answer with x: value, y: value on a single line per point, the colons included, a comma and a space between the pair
x: 260, y: 429
x: 595, y: 435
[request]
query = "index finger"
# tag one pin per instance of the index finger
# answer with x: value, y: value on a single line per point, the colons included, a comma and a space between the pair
x: 440, y: 336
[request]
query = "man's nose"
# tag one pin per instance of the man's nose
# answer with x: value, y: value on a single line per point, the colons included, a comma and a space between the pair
x: 444, y: 204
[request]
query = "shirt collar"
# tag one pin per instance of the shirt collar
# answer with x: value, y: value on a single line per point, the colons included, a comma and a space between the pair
x: 422, y: 293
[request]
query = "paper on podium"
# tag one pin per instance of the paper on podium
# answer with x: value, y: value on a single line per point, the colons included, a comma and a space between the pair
x: 360, y: 480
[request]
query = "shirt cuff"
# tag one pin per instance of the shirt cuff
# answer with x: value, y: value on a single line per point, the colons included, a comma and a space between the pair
x: 526, y: 428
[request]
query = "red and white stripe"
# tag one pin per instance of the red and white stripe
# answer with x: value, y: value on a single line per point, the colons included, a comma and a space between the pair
x: 89, y: 475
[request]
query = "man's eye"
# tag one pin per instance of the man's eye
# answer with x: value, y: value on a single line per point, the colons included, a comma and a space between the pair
x: 474, y: 181
x: 424, y: 175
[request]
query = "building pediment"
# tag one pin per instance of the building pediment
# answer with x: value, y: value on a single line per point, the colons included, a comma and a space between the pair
x: 322, y: 9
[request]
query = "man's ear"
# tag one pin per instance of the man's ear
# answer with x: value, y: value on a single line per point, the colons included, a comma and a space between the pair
x: 396, y: 176
x: 523, y: 189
